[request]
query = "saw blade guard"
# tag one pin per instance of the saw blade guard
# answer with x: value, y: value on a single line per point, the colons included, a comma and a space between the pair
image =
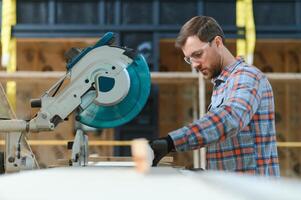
x: 118, y: 99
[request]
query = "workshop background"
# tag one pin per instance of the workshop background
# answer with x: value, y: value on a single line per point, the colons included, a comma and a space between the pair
x: 43, y: 30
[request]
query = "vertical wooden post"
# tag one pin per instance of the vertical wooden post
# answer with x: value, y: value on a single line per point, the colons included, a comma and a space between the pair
x: 199, y: 156
x: 202, y: 104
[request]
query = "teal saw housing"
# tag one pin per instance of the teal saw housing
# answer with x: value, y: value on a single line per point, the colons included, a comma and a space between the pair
x: 115, y: 115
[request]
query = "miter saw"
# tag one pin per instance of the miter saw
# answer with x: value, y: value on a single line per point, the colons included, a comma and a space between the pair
x: 107, y: 85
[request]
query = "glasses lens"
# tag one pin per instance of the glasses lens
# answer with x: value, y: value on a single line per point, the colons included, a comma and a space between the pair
x: 187, y: 60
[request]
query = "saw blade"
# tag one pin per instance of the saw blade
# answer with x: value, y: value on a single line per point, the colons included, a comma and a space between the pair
x: 98, y: 116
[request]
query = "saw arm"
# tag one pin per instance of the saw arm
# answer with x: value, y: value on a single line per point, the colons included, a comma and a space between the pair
x: 101, y: 74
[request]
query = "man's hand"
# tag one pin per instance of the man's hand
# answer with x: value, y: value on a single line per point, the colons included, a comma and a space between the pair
x: 161, y: 148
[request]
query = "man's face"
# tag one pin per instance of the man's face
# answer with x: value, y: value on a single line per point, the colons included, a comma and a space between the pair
x: 203, y: 56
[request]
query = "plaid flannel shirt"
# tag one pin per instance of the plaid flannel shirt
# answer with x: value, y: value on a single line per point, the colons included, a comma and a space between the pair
x: 239, y: 127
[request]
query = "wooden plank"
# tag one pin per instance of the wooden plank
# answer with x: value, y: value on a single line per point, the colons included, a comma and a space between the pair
x: 118, y: 143
x: 46, y: 54
x: 289, y: 144
x: 64, y: 142
x: 157, y: 77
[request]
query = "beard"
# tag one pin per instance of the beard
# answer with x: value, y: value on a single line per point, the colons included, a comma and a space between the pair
x: 216, y: 67
x: 213, y: 71
x: 216, y: 71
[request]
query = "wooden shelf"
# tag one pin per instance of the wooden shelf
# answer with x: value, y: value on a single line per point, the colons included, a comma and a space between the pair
x: 157, y: 77
x: 121, y: 143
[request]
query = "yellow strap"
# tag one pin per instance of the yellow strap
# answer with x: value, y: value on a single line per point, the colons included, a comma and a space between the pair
x: 9, y: 47
x: 250, y: 32
x: 240, y: 23
x: 245, y: 23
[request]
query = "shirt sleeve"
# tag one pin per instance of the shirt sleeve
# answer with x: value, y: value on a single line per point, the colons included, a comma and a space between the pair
x: 240, y: 104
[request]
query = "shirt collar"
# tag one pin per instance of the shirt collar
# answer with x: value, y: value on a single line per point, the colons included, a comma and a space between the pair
x: 226, y: 71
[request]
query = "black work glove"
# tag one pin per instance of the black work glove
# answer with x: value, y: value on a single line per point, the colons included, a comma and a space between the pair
x: 161, y: 148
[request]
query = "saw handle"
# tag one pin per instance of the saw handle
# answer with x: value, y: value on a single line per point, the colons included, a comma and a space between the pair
x: 35, y: 103
x: 106, y: 39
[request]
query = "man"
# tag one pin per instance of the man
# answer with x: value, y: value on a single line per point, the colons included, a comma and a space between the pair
x: 239, y: 127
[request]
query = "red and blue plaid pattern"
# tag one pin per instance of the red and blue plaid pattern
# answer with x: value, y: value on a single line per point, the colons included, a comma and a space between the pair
x: 239, y: 127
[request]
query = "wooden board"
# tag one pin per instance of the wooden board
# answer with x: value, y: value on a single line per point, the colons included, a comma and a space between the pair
x: 46, y: 54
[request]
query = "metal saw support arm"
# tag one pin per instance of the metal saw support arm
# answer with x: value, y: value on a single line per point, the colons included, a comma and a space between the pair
x: 104, y: 61
x: 109, y: 85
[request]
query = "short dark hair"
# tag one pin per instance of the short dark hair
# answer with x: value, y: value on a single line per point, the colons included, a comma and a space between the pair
x: 206, y: 28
